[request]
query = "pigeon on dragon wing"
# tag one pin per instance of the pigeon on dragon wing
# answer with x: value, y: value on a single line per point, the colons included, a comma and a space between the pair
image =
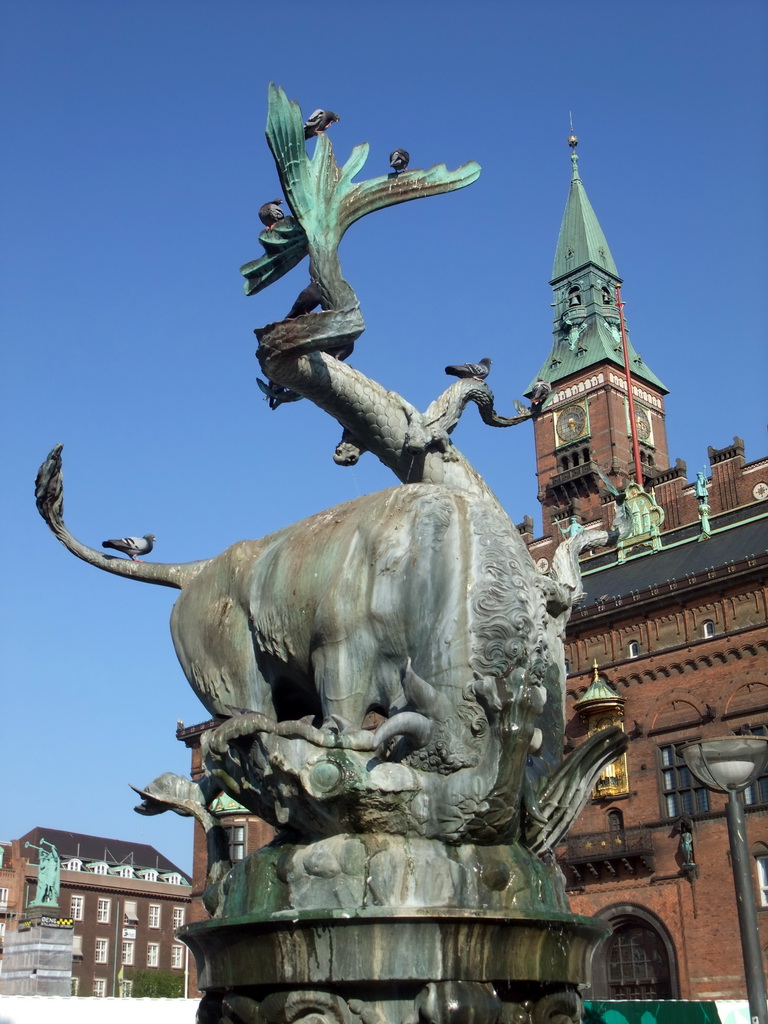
x: 399, y: 160
x: 318, y: 122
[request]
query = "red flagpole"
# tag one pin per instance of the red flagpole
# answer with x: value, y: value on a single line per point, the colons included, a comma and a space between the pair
x: 630, y: 396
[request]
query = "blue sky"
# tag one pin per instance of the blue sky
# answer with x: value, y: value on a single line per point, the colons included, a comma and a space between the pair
x: 134, y: 165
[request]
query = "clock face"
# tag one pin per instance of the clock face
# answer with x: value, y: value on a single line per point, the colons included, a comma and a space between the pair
x: 572, y: 423
x: 642, y: 424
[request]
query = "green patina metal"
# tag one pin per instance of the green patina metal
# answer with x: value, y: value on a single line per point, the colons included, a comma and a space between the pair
x: 325, y: 201
x: 584, y: 278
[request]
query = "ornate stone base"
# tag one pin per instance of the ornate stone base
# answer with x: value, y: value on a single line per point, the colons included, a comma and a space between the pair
x: 393, y: 968
x: 379, y: 929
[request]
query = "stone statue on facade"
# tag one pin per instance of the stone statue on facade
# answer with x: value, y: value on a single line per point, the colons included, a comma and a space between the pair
x: 413, y: 869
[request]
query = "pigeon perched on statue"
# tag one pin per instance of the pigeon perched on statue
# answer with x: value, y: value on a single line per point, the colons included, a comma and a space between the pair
x: 308, y: 300
x: 271, y: 214
x: 542, y: 389
x: 275, y: 394
x: 318, y: 122
x: 132, y: 546
x: 399, y: 160
x: 478, y: 371
x: 540, y: 392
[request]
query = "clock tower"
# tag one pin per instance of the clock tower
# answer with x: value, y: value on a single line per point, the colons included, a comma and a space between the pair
x: 585, y: 423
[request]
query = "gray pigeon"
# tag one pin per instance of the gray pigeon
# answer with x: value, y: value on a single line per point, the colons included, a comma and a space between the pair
x: 132, y: 546
x: 399, y: 160
x: 270, y: 213
x: 318, y: 121
x: 542, y: 389
x: 465, y: 370
x: 308, y: 300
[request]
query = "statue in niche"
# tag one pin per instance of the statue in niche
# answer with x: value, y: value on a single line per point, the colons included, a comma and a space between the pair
x: 420, y: 604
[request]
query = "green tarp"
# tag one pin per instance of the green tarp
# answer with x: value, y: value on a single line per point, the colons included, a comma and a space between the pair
x: 656, y: 1012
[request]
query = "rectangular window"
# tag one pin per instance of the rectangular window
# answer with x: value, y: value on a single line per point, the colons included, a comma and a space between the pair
x: 77, y: 947
x: 3, y: 897
x: 762, y: 880
x: 236, y: 835
x: 177, y: 956
x: 99, y: 987
x: 126, y: 988
x: 2, y: 930
x: 153, y: 954
x: 76, y: 908
x: 130, y: 912
x: 102, y: 911
x: 154, y: 915
x: 126, y: 956
x: 681, y: 793
x: 757, y: 793
x: 178, y: 917
x: 102, y: 951
x: 74, y: 986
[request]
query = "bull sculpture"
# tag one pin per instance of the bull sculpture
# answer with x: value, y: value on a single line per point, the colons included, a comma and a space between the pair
x: 418, y: 608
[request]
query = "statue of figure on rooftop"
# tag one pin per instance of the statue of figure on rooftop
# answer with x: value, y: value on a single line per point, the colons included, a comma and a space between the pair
x: 700, y: 487
x: 48, y: 874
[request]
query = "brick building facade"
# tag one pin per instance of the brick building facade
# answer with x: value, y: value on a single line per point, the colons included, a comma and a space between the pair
x: 670, y: 641
x: 126, y: 902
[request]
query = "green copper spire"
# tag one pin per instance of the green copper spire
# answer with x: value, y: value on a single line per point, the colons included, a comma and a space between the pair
x: 584, y: 278
x: 581, y: 238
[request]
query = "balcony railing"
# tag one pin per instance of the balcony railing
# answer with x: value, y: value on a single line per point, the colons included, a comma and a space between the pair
x: 629, y: 850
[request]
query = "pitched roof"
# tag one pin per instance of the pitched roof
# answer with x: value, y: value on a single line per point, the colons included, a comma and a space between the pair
x: 597, y: 343
x: 679, y: 562
x: 97, y: 848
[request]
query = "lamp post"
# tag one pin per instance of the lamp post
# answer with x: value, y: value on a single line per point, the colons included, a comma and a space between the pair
x: 729, y: 766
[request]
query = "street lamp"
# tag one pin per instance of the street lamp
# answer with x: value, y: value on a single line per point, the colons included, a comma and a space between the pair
x: 729, y: 766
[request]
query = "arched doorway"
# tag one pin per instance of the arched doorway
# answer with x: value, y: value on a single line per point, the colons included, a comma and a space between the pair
x: 637, y: 961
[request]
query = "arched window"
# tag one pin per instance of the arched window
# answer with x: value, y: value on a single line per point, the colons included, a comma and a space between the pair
x: 567, y: 667
x: 615, y: 821
x: 606, y: 295
x: 574, y: 296
x: 637, y: 965
x: 708, y: 629
x: 638, y: 961
x: 633, y: 649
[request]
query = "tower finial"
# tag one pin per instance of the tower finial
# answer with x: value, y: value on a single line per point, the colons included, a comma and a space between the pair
x: 572, y: 138
x: 573, y: 143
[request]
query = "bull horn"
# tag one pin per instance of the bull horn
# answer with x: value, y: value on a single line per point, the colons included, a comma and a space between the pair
x: 416, y: 727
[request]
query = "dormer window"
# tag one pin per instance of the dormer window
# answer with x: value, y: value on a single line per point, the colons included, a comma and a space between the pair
x: 73, y: 864
x: 149, y: 876
x: 124, y: 871
x: 99, y: 867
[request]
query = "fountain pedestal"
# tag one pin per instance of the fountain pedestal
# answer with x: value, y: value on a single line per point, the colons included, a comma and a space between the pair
x: 515, y: 955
